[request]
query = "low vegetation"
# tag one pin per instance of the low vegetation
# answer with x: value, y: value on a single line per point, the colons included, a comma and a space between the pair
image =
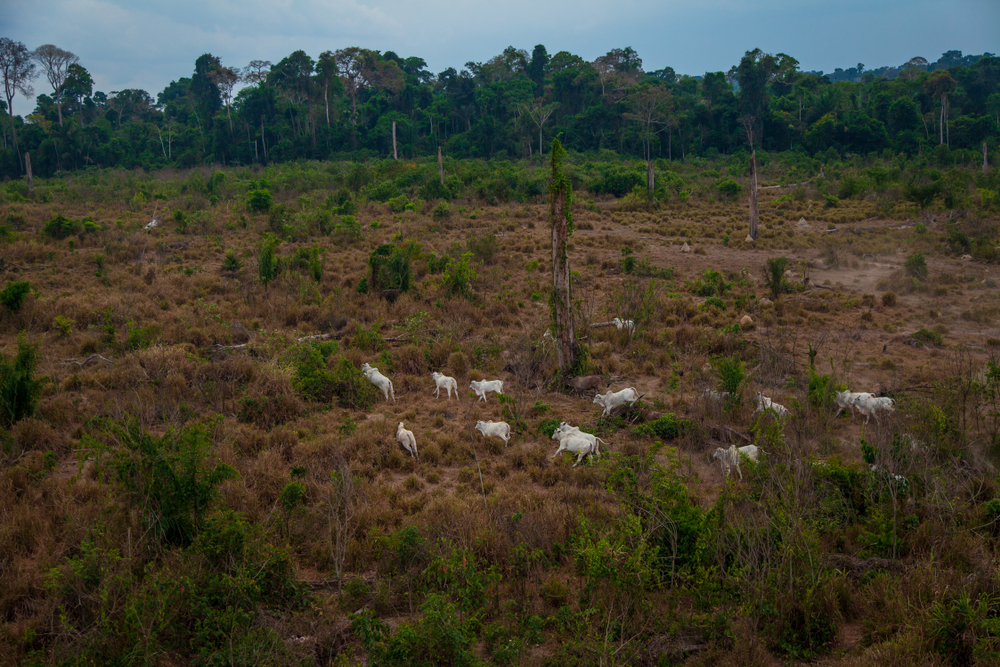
x: 195, y: 470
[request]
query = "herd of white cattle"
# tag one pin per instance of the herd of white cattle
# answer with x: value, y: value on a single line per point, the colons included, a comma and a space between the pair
x: 573, y: 440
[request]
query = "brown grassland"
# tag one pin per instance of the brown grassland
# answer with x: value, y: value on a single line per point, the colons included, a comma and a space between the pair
x: 306, y: 535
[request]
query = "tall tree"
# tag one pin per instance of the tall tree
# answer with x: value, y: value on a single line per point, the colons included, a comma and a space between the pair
x: 203, y: 89
x: 940, y: 84
x: 55, y: 63
x: 78, y: 85
x: 561, y: 219
x: 537, y: 67
x: 539, y: 113
x: 18, y: 72
x: 647, y: 108
x: 225, y: 79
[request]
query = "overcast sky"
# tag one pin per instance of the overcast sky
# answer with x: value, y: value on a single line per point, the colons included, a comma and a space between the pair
x: 134, y: 44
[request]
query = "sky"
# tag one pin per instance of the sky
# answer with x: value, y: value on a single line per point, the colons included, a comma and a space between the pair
x: 141, y: 44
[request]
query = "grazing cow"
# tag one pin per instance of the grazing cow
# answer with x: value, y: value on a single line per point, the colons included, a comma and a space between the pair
x: 483, y: 387
x: 442, y: 381
x: 845, y: 401
x: 624, y: 324
x: 870, y: 405
x: 719, y: 397
x: 497, y: 429
x: 565, y: 430
x: 379, y: 380
x: 406, y: 439
x: 578, y: 445
x: 616, y: 399
x: 763, y: 403
x: 585, y: 383
x: 731, y: 457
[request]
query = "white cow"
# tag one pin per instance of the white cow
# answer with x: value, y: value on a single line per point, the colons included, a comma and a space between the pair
x: 565, y: 430
x: 483, y: 387
x: 845, y: 401
x: 442, y: 381
x: 578, y: 445
x: 615, y: 399
x: 406, y: 439
x: 870, y: 405
x: 719, y: 397
x: 624, y: 324
x: 731, y: 457
x: 762, y: 403
x: 498, y: 429
x: 379, y: 380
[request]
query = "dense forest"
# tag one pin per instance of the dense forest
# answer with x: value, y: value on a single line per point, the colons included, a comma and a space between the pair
x: 351, y: 103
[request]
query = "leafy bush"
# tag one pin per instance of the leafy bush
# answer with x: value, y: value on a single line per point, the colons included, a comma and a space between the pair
x: 714, y: 301
x: 172, y: 478
x: 731, y: 373
x: 390, y: 268
x: 267, y: 261
x: 13, y: 295
x: 483, y: 246
x: 548, y: 426
x: 441, y: 210
x: 617, y: 180
x: 260, y: 200
x: 928, y: 337
x: 728, y: 188
x: 916, y: 266
x: 231, y: 262
x: 774, y: 275
x: 19, y: 390
x: 60, y: 227
x: 459, y: 276
x: 666, y: 427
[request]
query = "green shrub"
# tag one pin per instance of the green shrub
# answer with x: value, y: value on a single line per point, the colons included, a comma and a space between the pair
x: 666, y: 427
x: 140, y: 337
x: 19, y: 390
x: 63, y: 325
x: 731, y: 374
x: 60, y: 227
x: 774, y: 275
x: 483, y: 247
x: 390, y: 268
x: 916, y: 266
x: 928, y: 337
x: 172, y: 478
x: 728, y: 188
x: 351, y: 228
x: 714, y: 301
x: 441, y: 210
x: 231, y: 262
x: 13, y: 295
x: 267, y: 261
x: 459, y: 276
x: 260, y: 200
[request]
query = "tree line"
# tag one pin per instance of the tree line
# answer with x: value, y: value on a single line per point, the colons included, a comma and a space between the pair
x: 356, y: 103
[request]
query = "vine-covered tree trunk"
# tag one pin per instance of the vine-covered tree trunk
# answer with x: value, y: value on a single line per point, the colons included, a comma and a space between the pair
x: 560, y: 216
x: 753, y: 197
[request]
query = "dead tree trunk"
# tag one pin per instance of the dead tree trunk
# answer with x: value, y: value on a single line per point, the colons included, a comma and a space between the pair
x: 753, y: 197
x: 560, y: 216
x: 440, y: 166
x: 395, y: 156
x: 650, y: 178
x: 27, y: 167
